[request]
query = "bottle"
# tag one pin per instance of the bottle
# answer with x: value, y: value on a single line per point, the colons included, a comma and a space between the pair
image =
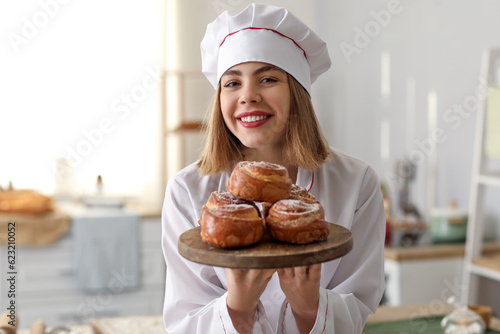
x: 99, y: 185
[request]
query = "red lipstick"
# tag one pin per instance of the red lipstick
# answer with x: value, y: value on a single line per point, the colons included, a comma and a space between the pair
x: 253, y: 119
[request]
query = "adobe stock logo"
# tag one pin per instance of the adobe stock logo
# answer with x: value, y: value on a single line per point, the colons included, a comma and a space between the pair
x: 372, y: 29
x: 221, y: 6
x: 30, y: 27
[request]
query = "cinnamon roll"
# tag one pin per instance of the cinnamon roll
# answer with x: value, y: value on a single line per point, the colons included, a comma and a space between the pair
x: 231, y: 225
x: 297, y: 222
x: 301, y: 194
x: 260, y: 181
x: 220, y: 198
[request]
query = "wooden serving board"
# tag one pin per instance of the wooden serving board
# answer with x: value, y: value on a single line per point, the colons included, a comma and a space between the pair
x: 267, y: 253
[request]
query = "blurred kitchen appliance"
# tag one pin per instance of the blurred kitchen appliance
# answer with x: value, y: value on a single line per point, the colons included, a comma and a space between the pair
x: 407, y: 226
x: 407, y: 171
x: 448, y: 224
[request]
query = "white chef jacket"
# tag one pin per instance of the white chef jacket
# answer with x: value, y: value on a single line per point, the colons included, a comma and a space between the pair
x: 351, y: 287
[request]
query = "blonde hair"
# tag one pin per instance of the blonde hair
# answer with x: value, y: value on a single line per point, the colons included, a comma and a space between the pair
x: 305, y: 145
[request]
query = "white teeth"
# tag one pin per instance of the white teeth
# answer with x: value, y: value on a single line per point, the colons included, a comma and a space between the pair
x: 253, y: 118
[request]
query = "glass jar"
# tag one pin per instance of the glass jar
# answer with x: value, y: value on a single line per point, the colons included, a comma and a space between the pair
x: 463, y: 321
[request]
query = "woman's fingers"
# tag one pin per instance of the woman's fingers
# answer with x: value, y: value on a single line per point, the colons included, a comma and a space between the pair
x: 314, y: 271
x: 250, y: 276
x: 302, y: 272
x: 301, y: 287
x: 286, y: 272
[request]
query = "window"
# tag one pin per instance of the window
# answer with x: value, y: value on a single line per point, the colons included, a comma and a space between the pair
x: 79, y: 80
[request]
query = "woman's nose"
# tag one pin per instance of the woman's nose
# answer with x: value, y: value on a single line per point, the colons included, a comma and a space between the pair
x: 250, y: 94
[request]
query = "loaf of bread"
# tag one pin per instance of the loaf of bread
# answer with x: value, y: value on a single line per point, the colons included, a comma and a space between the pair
x: 25, y: 201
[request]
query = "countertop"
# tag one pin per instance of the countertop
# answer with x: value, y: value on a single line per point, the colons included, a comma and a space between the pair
x: 414, y: 311
x: 74, y: 330
x: 154, y: 324
x: 146, y: 324
x: 144, y: 210
x: 435, y: 251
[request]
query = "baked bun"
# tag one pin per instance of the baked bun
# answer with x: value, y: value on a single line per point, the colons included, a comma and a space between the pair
x: 296, y: 192
x: 231, y: 225
x: 260, y: 181
x: 220, y: 198
x: 302, y: 194
x: 265, y: 209
x: 297, y: 222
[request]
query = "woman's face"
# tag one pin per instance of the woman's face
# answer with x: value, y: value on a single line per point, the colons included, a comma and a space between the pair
x: 255, y: 103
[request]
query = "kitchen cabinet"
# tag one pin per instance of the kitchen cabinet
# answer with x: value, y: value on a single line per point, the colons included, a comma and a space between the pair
x: 425, y: 274
x: 47, y: 285
x: 420, y: 281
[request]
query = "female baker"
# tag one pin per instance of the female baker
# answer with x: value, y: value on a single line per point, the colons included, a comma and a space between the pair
x: 262, y: 62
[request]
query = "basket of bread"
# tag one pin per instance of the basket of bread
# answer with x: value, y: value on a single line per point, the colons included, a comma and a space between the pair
x: 34, y: 216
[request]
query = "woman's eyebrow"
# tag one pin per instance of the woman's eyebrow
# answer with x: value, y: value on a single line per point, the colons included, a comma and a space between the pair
x: 232, y: 72
x: 257, y: 71
x: 266, y: 68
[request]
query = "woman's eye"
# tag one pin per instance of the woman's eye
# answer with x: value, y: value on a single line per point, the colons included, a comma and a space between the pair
x: 268, y: 80
x: 231, y: 84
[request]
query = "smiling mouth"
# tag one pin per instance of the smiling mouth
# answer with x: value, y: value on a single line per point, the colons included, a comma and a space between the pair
x: 250, y: 119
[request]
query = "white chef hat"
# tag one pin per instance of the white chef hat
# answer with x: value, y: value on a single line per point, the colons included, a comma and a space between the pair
x: 267, y: 34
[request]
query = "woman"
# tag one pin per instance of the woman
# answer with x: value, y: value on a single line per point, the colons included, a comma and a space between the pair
x: 262, y: 63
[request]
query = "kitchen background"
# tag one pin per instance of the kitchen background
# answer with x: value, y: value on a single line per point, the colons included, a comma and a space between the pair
x: 114, y: 89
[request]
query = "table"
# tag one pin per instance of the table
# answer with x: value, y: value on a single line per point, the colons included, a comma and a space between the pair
x: 415, y: 312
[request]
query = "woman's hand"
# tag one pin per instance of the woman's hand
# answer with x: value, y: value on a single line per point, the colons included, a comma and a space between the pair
x: 245, y: 286
x: 301, y: 288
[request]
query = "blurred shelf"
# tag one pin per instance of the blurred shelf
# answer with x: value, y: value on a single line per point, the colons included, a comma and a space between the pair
x: 492, y: 180
x: 187, y: 126
x: 478, y: 265
x: 435, y: 251
x: 487, y: 266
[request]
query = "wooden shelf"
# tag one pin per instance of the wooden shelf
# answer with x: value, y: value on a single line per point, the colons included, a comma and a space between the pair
x: 483, y: 271
x: 487, y: 266
x: 188, y: 126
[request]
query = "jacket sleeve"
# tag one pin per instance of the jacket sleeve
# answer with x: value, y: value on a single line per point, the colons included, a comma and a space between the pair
x: 195, y: 298
x: 356, y: 288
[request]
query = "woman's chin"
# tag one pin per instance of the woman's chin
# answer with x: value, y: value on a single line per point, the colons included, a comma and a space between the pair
x: 256, y: 145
